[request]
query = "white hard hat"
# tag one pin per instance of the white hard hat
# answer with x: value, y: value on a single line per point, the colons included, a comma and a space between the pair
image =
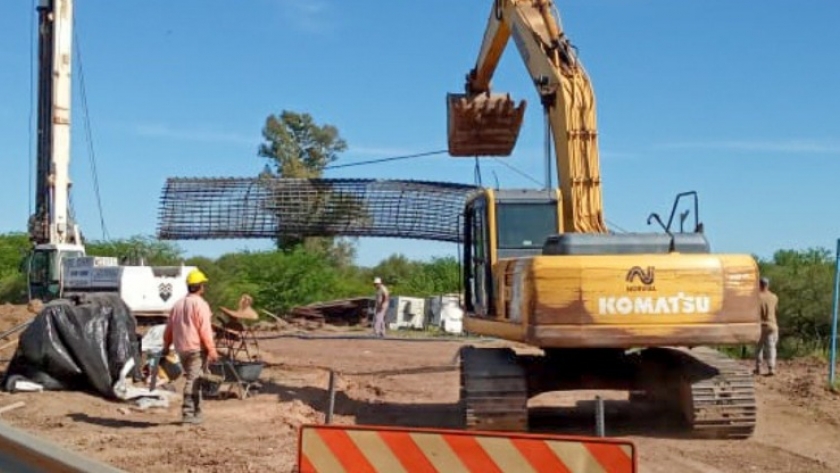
x: 377, y: 281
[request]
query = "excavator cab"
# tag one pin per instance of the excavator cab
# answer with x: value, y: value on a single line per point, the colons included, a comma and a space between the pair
x: 43, y: 269
x: 503, y: 224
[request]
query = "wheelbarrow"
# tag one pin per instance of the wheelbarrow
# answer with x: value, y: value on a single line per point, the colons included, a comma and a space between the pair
x: 242, y: 375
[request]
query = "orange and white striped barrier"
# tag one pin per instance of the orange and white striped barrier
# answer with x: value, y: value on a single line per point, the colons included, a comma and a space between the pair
x: 363, y: 449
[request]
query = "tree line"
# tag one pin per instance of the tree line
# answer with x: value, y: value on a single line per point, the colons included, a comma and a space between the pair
x: 277, y: 279
x: 804, y: 282
x: 280, y: 279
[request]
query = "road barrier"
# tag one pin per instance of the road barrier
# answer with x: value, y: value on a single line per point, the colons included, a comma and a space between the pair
x: 357, y: 449
x: 24, y: 453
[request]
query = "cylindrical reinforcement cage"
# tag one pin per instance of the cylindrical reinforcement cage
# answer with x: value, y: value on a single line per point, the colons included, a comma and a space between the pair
x: 271, y: 207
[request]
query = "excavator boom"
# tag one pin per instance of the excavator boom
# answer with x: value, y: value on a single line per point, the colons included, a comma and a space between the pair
x: 483, y: 123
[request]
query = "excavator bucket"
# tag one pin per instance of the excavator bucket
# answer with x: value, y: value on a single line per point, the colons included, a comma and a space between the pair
x: 483, y: 125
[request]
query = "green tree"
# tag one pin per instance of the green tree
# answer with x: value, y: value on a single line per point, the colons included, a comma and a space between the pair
x: 396, y: 270
x: 137, y: 248
x: 804, y: 282
x: 417, y: 278
x: 439, y: 276
x: 13, y: 249
x: 339, y: 251
x: 299, y: 148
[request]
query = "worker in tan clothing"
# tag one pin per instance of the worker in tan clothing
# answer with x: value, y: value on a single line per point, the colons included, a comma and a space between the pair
x: 380, y: 309
x: 769, y: 328
x: 188, y: 328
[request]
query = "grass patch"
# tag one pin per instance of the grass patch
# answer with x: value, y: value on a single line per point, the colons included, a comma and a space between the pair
x: 788, y: 348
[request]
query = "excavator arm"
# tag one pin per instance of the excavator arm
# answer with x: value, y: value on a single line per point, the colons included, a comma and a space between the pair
x: 482, y: 123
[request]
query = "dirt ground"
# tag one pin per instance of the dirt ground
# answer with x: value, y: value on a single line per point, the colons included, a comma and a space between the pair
x: 410, y: 382
x: 12, y: 315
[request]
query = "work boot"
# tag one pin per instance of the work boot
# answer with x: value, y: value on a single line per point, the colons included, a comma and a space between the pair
x: 193, y: 419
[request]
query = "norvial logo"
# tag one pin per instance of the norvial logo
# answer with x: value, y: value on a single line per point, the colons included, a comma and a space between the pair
x: 645, y: 276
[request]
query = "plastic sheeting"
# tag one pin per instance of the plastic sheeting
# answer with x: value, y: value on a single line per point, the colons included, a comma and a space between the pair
x: 76, y: 347
x: 153, y: 340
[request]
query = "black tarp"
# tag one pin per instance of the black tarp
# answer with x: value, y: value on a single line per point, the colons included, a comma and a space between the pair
x: 71, y: 346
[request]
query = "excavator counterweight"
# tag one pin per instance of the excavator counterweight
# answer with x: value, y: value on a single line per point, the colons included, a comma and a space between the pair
x: 483, y: 125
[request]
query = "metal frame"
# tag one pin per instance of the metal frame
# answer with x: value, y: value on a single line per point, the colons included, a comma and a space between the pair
x: 269, y: 207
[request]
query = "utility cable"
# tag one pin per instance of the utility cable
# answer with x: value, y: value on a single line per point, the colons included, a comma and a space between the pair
x: 521, y: 173
x: 477, y: 171
x: 614, y: 225
x: 382, y: 160
x: 534, y: 180
x: 89, y: 138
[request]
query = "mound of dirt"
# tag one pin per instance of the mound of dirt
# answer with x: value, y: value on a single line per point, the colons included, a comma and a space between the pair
x: 297, y: 413
x: 804, y: 383
x: 803, y: 380
x: 12, y: 315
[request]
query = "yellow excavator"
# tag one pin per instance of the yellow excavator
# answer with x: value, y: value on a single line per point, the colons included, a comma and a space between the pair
x: 637, y: 312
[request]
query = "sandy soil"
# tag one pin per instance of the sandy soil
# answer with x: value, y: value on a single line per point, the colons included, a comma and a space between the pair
x: 12, y: 315
x: 414, y: 383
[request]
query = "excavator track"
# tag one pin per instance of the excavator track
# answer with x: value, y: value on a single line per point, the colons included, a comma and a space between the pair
x: 714, y: 394
x: 494, y: 390
x: 721, y: 396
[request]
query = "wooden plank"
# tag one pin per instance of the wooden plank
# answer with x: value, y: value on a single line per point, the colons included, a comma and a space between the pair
x: 12, y: 406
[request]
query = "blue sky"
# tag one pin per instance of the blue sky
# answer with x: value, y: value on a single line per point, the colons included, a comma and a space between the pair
x: 737, y: 100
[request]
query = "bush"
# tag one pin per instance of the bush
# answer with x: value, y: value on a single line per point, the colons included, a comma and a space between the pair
x: 281, y: 279
x: 13, y: 289
x: 804, y: 282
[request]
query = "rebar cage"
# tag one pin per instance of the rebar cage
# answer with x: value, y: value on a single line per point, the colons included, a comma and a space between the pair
x: 270, y: 207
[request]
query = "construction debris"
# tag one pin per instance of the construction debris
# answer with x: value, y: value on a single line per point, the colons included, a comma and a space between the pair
x: 12, y: 406
x: 280, y: 323
x: 340, y: 312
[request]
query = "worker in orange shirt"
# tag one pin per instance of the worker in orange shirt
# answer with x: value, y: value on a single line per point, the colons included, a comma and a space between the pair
x: 188, y: 328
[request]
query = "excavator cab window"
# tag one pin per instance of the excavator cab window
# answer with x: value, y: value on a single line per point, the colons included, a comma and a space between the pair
x: 44, y: 272
x: 525, y: 225
x: 40, y: 270
x: 477, y: 270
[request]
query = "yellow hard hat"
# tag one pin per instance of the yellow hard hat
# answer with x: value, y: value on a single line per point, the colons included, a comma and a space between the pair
x: 196, y: 277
